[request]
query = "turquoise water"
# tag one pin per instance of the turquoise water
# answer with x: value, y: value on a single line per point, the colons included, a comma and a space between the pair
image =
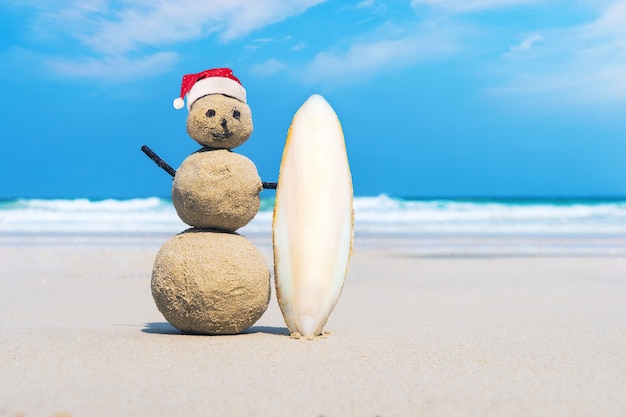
x: 379, y: 214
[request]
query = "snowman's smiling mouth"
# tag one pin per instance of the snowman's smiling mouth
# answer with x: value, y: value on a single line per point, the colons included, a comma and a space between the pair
x: 224, y: 135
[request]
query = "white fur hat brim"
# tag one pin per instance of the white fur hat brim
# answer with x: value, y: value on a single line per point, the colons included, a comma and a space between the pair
x: 216, y: 85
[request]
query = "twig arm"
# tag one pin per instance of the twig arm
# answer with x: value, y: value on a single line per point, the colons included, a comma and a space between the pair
x: 167, y: 168
x: 157, y: 160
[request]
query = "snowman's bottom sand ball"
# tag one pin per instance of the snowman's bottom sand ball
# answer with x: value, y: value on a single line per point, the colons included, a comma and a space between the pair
x: 210, y: 283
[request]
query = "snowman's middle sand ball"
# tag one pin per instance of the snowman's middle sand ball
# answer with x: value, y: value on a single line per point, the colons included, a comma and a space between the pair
x: 210, y: 283
x: 217, y: 189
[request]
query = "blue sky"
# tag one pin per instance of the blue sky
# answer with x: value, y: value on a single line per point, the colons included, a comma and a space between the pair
x: 436, y: 97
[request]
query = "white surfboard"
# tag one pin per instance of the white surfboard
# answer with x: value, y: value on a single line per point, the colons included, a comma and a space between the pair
x: 313, y: 223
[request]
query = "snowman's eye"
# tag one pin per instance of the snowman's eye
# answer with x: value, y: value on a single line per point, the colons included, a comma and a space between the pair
x: 210, y: 113
x: 236, y: 114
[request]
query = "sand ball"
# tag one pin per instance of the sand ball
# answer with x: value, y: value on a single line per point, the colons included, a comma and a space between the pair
x: 219, y: 121
x: 210, y: 283
x: 217, y: 189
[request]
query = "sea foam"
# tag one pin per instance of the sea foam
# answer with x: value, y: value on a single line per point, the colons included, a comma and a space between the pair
x: 373, y: 215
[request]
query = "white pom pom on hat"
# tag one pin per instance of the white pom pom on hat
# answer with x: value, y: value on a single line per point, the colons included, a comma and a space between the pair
x: 179, y: 103
x: 212, y: 81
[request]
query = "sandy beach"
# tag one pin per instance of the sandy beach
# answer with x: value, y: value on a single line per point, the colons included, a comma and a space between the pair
x: 413, y: 334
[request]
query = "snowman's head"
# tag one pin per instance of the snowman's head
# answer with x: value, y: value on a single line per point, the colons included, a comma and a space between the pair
x: 219, y: 121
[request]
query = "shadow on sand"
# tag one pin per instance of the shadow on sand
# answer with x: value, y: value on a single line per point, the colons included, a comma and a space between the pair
x: 166, y: 328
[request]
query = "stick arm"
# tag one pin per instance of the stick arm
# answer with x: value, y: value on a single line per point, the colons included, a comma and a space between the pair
x: 167, y: 168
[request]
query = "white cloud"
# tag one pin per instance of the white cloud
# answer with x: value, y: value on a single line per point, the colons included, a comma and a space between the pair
x: 610, y: 23
x: 364, y: 4
x: 269, y: 67
x: 364, y: 60
x: 299, y: 46
x: 113, y: 68
x: 461, y: 6
x: 527, y: 43
x: 371, y: 6
x: 581, y: 65
x: 111, y: 28
x: 110, y: 31
x: 523, y: 49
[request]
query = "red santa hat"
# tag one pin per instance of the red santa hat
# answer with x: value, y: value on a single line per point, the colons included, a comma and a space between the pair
x: 212, y: 81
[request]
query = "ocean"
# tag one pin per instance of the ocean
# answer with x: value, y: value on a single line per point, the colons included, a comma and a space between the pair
x: 462, y: 223
x: 380, y: 214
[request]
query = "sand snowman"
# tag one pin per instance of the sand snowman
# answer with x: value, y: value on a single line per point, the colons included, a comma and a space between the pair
x: 209, y: 279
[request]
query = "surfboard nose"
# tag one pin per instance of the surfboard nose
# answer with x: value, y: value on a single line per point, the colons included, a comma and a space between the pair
x: 316, y: 106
